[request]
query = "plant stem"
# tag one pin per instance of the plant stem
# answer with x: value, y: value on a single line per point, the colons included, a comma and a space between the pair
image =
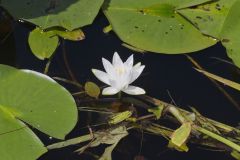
x: 68, y: 81
x: 119, y: 95
x: 219, y: 138
x: 47, y: 66
x: 69, y: 142
x: 175, y: 112
x: 224, y: 92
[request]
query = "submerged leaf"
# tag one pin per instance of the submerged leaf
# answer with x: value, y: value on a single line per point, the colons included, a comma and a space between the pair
x: 111, y: 137
x: 119, y: 117
x: 157, y: 111
x: 182, y: 148
x: 180, y: 135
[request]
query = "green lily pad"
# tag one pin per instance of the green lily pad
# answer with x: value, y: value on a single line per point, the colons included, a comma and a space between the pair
x: 29, y: 98
x: 209, y: 18
x: 43, y: 44
x: 18, y: 142
x: 230, y: 33
x: 69, y: 14
x: 219, y: 19
x: 154, y: 25
x: 92, y: 89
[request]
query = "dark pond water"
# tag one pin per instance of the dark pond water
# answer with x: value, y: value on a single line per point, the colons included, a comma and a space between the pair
x: 173, y: 73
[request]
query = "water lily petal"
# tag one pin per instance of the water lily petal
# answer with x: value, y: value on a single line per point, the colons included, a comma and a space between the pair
x: 117, y: 61
x: 133, y: 90
x: 137, y: 65
x: 108, y: 67
x: 136, y: 73
x: 102, y: 76
x: 129, y: 61
x: 110, y: 91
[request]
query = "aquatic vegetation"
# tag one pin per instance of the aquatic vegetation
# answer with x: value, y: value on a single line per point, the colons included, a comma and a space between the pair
x: 34, y: 105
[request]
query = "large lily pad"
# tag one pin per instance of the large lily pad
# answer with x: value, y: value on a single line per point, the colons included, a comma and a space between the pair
x: 230, y: 34
x: 69, y: 14
x: 155, y: 25
x: 220, y: 19
x: 208, y: 18
x: 28, y: 97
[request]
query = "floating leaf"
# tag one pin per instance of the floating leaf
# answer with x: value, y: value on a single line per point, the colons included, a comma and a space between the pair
x: 115, y: 136
x: 43, y: 44
x: 119, y: 117
x: 111, y: 137
x: 182, y: 148
x: 209, y: 17
x: 235, y: 155
x: 220, y: 19
x: 69, y: 14
x: 230, y: 33
x: 157, y: 111
x: 155, y: 25
x: 28, y: 97
x: 75, y: 35
x: 180, y: 135
x: 92, y: 89
x: 220, y: 79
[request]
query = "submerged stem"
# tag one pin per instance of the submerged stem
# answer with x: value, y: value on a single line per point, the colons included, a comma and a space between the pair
x: 47, y: 66
x: 120, y: 95
x: 69, y: 142
x: 219, y: 138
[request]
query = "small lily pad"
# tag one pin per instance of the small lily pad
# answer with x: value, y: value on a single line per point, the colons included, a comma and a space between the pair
x: 92, y: 89
x: 43, y: 44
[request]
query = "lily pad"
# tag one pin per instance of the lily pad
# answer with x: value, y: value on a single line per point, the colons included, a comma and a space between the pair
x: 230, y: 33
x: 92, y: 89
x: 43, y: 44
x: 219, y: 19
x: 154, y: 25
x: 29, y: 98
x: 69, y: 14
x: 209, y: 18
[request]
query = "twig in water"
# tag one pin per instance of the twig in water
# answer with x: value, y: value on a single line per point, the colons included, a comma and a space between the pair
x: 67, y: 81
x: 225, y: 93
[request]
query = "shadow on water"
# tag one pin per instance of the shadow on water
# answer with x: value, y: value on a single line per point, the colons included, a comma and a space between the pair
x: 7, y: 42
x: 173, y: 73
x: 30, y: 9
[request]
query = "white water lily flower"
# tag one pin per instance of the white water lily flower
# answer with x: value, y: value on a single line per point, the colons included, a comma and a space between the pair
x: 120, y: 75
